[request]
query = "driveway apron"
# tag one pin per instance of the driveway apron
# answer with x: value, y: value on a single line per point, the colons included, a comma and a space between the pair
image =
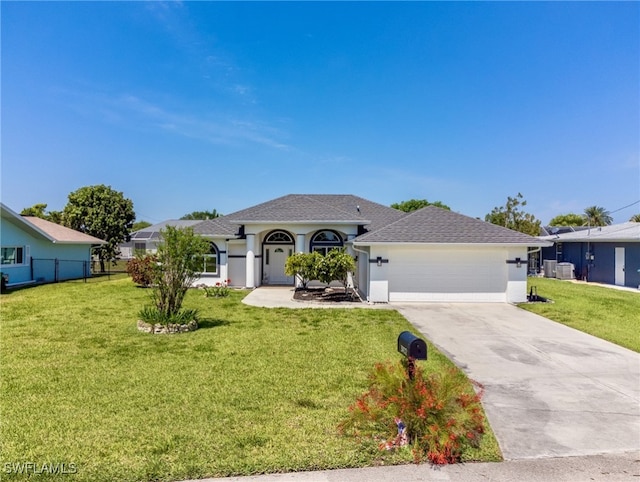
x: 551, y: 391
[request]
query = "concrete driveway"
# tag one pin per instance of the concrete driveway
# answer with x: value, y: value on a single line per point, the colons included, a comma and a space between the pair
x: 551, y: 391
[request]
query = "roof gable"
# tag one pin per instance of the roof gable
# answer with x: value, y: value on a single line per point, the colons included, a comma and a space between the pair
x: 435, y: 225
x: 47, y: 230
x: 61, y: 234
x: 298, y: 208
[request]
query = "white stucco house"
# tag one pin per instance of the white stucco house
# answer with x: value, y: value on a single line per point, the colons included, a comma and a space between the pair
x: 428, y: 255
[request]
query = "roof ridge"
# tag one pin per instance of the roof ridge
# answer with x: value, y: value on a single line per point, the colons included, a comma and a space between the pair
x: 334, y: 208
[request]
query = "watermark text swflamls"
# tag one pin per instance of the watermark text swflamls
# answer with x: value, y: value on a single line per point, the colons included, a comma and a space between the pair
x: 36, y: 468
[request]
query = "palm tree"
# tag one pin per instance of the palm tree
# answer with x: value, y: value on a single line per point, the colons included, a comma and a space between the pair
x: 635, y: 218
x: 597, y: 216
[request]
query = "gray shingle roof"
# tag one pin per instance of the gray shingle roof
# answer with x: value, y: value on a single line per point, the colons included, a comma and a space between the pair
x: 216, y: 227
x: 314, y: 208
x: 436, y: 225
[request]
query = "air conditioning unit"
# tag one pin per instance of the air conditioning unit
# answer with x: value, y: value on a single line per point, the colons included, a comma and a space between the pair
x: 549, y: 266
x: 565, y: 271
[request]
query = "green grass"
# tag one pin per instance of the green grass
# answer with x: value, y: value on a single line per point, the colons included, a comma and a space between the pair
x: 252, y: 391
x: 607, y: 313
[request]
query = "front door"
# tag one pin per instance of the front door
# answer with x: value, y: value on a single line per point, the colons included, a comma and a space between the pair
x: 274, y: 259
x: 619, y: 276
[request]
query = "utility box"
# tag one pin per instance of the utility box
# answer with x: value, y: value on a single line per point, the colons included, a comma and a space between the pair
x: 411, y: 346
x: 565, y: 271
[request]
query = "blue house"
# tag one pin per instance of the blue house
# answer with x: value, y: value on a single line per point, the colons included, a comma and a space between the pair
x: 34, y: 250
x: 607, y: 254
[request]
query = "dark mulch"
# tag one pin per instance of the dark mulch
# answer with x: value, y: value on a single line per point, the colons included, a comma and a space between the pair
x: 334, y: 295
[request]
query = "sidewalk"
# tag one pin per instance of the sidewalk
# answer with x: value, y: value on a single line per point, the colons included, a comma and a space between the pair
x: 609, y: 468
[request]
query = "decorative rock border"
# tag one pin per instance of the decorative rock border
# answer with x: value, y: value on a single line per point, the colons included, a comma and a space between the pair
x: 167, y: 329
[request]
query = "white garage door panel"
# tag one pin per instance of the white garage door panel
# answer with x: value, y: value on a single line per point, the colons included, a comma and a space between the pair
x: 447, y: 275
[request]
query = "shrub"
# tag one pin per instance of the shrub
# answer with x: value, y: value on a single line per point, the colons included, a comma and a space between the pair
x: 141, y: 269
x: 439, y: 415
x: 303, y: 266
x: 336, y: 265
x: 153, y: 316
x: 219, y: 290
x: 180, y: 254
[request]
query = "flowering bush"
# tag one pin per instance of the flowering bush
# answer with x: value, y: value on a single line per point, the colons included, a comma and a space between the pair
x: 435, y: 413
x: 142, y: 269
x: 219, y: 290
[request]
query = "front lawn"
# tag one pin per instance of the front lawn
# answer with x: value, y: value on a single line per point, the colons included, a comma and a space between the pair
x: 607, y: 313
x: 253, y: 391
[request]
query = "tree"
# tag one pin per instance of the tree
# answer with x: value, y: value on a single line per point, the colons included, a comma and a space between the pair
x: 303, y: 266
x: 101, y: 212
x: 415, y: 204
x: 202, y: 215
x: 510, y: 216
x: 336, y: 265
x: 138, y: 225
x: 635, y: 218
x: 597, y: 216
x: 570, y: 219
x: 179, y: 262
x: 39, y: 211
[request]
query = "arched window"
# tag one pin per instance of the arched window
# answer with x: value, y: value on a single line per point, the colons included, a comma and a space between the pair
x: 279, y: 237
x: 325, y: 241
x: 210, y: 260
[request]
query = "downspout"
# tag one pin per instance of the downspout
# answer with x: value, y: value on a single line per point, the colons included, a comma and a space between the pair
x: 368, y: 272
x: 532, y: 251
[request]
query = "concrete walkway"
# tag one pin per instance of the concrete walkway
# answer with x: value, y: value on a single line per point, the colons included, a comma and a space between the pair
x: 551, y: 391
x: 282, y: 297
x: 597, y: 468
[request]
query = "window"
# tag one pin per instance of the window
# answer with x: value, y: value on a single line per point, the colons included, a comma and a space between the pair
x: 140, y: 248
x: 13, y: 255
x: 325, y: 241
x: 279, y: 237
x: 210, y: 260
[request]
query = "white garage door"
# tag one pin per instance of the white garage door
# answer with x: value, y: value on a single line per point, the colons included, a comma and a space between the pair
x: 447, y: 274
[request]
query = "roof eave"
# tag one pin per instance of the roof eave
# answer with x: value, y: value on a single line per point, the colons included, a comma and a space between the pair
x: 417, y: 243
x: 310, y: 221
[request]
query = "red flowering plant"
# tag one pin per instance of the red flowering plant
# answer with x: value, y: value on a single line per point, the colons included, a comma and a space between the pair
x: 435, y: 413
x: 219, y: 290
x: 142, y: 269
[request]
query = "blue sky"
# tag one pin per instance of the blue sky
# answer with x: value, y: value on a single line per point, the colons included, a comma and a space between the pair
x: 188, y: 106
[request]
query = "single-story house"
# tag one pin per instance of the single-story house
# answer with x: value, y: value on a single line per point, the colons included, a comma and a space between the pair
x: 607, y: 254
x: 146, y: 240
x: 428, y: 255
x: 35, y: 250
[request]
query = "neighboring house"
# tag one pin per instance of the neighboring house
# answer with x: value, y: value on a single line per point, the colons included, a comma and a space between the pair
x: 146, y: 239
x: 428, y: 255
x: 607, y: 254
x: 35, y: 250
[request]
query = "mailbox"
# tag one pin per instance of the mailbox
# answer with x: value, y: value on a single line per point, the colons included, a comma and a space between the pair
x: 411, y: 346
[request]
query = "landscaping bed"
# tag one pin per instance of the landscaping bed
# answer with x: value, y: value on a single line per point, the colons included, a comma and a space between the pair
x: 326, y: 295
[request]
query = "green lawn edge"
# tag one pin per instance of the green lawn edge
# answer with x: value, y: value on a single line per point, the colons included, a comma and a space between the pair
x: 608, y: 313
x: 254, y: 390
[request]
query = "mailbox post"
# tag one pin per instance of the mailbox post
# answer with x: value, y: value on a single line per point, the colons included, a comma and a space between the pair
x: 413, y: 348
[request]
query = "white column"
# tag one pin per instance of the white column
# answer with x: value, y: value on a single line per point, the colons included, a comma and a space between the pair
x: 300, y: 243
x: 250, y: 281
